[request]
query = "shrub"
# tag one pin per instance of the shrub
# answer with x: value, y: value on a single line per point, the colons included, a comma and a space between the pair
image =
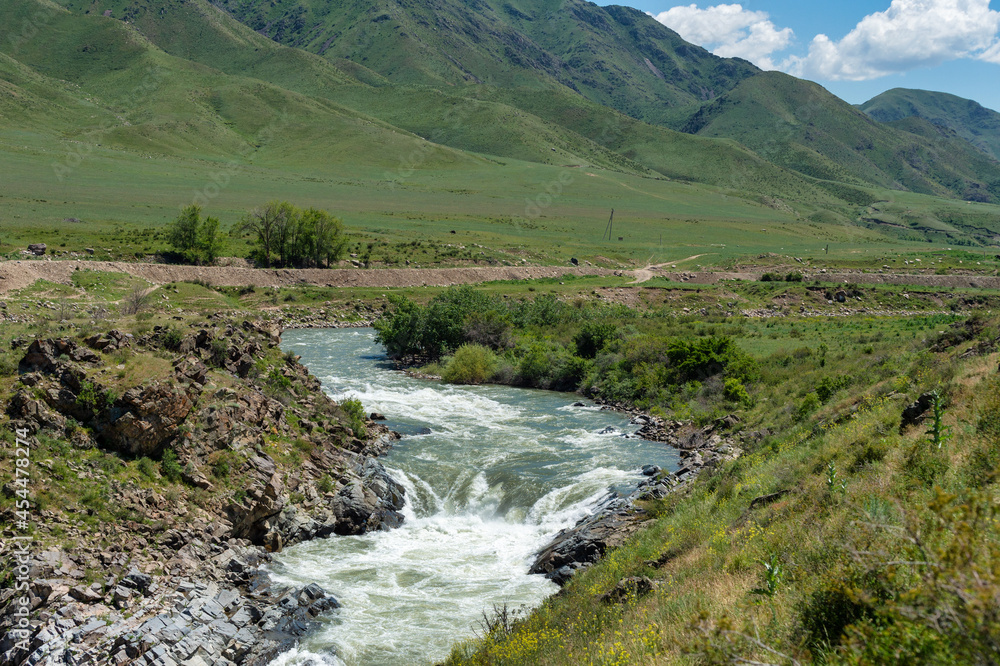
x: 220, y: 352
x: 594, y: 337
x: 135, y: 301
x: 734, y: 390
x: 147, y: 468
x: 471, y: 364
x: 830, y: 385
x: 490, y: 329
x: 276, y: 382
x: 171, y: 338
x: 355, y: 416
x: 221, y: 469
x: 169, y: 467
x: 809, y: 405
x: 826, y: 615
x: 325, y: 484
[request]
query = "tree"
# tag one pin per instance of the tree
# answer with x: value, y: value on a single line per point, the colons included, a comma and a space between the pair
x: 194, y: 239
x: 299, y: 238
x: 263, y: 223
x: 326, y: 234
x: 182, y: 234
x: 209, y: 241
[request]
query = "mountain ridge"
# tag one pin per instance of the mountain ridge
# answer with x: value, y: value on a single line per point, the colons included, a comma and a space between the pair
x: 974, y: 122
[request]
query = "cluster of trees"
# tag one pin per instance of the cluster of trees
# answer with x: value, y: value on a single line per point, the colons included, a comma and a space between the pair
x: 298, y: 237
x: 194, y: 240
x: 599, y: 349
x: 279, y: 230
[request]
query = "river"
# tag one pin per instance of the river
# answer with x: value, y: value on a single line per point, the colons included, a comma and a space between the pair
x: 491, y: 474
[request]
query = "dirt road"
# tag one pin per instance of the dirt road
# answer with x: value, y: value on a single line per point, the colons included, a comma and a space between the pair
x: 18, y: 274
x: 22, y: 273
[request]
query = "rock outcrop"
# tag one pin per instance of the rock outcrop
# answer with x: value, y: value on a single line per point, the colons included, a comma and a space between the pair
x: 261, y: 459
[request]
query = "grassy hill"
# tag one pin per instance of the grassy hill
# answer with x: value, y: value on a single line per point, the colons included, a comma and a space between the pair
x: 801, y: 126
x: 616, y: 56
x: 117, y: 120
x: 970, y: 120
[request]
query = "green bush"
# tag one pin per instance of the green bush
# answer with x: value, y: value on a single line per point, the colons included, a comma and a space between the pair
x: 221, y: 469
x: 355, y: 416
x: 171, y: 338
x: 147, y: 468
x: 735, y: 391
x: 808, y: 405
x: 827, y: 613
x: 276, y: 382
x: 594, y: 337
x: 830, y: 385
x: 220, y: 352
x: 471, y: 364
x: 169, y: 467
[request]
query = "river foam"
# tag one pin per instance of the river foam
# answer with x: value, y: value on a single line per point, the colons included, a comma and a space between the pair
x: 500, y: 472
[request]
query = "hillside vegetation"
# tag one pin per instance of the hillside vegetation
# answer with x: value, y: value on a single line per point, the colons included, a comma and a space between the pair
x: 970, y: 120
x: 859, y: 525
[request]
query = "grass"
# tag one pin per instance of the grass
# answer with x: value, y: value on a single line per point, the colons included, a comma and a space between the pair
x: 504, y: 193
x: 829, y: 537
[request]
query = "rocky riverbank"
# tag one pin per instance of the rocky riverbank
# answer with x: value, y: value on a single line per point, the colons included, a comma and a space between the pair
x: 617, y: 517
x: 169, y: 464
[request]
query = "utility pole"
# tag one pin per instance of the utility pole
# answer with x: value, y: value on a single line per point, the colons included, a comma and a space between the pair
x: 610, y: 224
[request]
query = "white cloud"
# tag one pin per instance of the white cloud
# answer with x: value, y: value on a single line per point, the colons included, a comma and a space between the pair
x: 729, y: 31
x: 991, y: 54
x: 908, y: 35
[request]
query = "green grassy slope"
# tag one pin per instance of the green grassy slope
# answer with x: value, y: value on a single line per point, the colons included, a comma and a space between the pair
x: 614, y: 55
x: 141, y: 98
x: 534, y: 50
x: 802, y: 127
x: 550, y: 125
x: 970, y: 120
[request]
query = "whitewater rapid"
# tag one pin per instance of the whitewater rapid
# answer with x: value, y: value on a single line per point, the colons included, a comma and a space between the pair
x: 491, y: 474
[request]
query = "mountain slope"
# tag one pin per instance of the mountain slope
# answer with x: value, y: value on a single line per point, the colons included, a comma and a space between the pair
x: 528, y: 52
x: 137, y: 97
x: 616, y: 56
x: 549, y: 125
x: 970, y: 120
x: 799, y: 125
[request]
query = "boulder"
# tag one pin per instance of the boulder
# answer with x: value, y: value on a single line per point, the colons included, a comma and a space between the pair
x: 586, y: 542
x: 37, y: 249
x: 914, y: 412
x: 23, y: 408
x: 144, y: 420
x: 110, y: 341
x: 45, y: 356
x: 629, y: 588
x: 190, y: 369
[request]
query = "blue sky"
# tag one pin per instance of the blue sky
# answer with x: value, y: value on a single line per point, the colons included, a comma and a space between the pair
x: 855, y: 48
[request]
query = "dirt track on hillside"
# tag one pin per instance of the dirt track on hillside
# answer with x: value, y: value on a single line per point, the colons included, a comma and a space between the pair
x: 22, y: 273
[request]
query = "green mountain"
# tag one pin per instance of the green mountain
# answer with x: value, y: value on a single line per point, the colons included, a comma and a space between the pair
x: 616, y: 56
x: 646, y: 117
x: 542, y: 57
x: 799, y: 125
x: 211, y: 69
x: 968, y: 119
